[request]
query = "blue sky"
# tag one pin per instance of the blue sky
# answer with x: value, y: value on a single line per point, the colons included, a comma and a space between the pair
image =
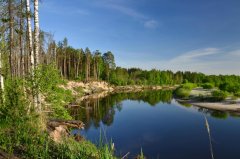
x: 194, y: 35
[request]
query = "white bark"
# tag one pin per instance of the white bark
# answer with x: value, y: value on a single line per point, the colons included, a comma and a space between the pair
x: 36, y: 52
x: 30, y: 43
x: 1, y: 76
x: 36, y: 33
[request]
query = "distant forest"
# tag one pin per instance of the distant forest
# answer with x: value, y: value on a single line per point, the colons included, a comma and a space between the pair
x: 86, y: 65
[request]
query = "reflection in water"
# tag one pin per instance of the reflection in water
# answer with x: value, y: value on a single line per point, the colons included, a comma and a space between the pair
x: 159, y: 125
x: 94, y: 111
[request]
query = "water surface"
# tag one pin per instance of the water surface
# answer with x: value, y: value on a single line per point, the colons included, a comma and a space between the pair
x: 154, y: 122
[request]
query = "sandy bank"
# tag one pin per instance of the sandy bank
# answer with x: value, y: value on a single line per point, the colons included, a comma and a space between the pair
x: 221, y: 106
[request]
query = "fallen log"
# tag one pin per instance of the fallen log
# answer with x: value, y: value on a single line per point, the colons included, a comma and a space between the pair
x: 53, y: 123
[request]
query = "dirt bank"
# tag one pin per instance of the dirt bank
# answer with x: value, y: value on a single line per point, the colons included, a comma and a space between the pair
x: 100, y: 89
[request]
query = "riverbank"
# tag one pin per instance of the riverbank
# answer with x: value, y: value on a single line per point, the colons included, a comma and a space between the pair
x: 99, y: 89
x: 199, y: 97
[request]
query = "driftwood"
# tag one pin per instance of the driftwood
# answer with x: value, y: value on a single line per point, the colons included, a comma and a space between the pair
x: 68, y: 123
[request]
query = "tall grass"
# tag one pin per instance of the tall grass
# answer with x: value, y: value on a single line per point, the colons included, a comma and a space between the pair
x: 209, y: 136
x: 25, y: 134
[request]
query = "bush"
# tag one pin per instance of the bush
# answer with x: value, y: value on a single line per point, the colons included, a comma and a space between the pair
x: 189, y: 86
x: 219, y: 95
x: 237, y: 94
x: 207, y: 86
x: 182, y: 93
x: 230, y: 87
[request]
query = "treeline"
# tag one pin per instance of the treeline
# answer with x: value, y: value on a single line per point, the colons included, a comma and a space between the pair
x: 86, y: 65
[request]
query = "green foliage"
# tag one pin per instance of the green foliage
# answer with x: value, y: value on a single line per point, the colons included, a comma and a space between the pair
x: 48, y: 83
x: 182, y: 92
x: 230, y: 87
x: 189, y: 86
x: 23, y: 132
x: 207, y: 85
x: 219, y: 95
x: 237, y: 94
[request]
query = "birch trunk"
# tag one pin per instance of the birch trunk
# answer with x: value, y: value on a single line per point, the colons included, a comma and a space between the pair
x: 11, y: 21
x: 29, y: 32
x: 1, y: 75
x: 36, y: 52
x: 36, y: 33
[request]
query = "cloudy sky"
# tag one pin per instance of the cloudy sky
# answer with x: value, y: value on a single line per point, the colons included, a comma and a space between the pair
x: 195, y: 35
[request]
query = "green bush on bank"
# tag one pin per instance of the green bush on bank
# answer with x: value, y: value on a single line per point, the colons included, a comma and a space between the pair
x: 182, y: 93
x: 237, y: 94
x: 219, y: 95
x: 230, y: 87
x: 207, y: 86
x: 189, y: 86
x: 184, y: 90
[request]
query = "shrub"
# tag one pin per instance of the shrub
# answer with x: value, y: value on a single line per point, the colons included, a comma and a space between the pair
x: 207, y: 86
x: 182, y: 93
x: 219, y: 95
x: 230, y: 87
x: 189, y: 86
x: 237, y: 94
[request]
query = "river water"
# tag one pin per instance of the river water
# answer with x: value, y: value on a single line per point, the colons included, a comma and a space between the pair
x: 163, y: 128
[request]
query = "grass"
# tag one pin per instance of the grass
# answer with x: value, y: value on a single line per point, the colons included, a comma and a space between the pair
x: 24, y: 133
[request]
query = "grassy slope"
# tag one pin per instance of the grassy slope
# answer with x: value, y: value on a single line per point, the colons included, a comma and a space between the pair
x: 25, y: 135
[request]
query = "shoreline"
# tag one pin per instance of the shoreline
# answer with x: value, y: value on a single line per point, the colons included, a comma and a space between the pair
x: 226, y: 106
x: 100, y: 89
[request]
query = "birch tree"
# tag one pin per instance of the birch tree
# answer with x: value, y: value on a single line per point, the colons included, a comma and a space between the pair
x: 29, y: 39
x: 36, y: 53
x: 36, y: 34
x: 1, y: 67
x: 11, y: 25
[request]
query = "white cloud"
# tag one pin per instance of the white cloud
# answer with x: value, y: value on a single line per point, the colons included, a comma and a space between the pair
x: 207, y: 60
x: 152, y: 24
x: 127, y: 11
x: 133, y: 13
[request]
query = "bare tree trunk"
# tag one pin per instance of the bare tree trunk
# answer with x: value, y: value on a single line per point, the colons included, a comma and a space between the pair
x: 86, y: 69
x: 30, y: 45
x: 29, y: 32
x: 1, y: 76
x: 65, y: 63
x: 21, y: 68
x: 11, y: 21
x: 36, y: 33
x: 36, y: 52
x: 78, y: 63
x: 69, y: 66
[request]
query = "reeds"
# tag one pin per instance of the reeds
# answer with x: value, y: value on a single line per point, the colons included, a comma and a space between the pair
x: 209, y: 136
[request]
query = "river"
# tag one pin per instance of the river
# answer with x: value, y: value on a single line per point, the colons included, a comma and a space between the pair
x: 163, y: 128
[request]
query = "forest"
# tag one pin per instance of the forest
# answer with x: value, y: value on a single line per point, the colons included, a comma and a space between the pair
x: 33, y: 65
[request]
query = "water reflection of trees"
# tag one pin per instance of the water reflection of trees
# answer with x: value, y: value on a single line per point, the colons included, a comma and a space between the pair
x: 95, y: 111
